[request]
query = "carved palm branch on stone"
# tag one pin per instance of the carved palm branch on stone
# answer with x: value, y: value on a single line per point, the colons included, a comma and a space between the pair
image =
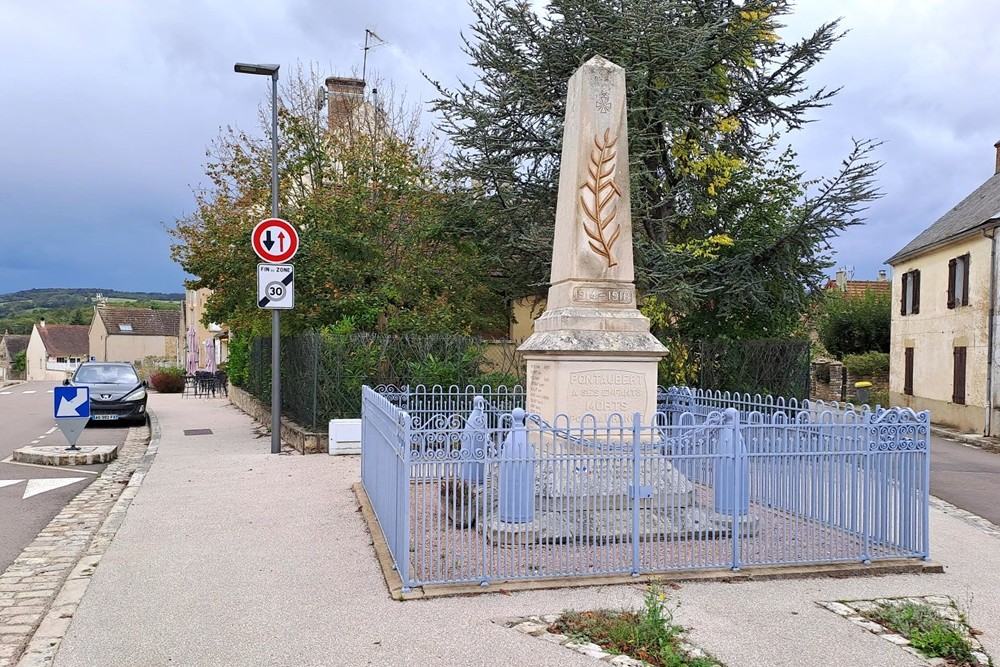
x: 599, y: 198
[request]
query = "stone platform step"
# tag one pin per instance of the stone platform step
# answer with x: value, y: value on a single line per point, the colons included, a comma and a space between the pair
x: 58, y: 455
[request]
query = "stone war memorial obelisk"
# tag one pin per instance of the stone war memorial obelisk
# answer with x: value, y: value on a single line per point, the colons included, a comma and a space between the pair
x: 591, y: 350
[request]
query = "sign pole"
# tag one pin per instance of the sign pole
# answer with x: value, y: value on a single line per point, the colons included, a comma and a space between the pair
x: 275, y: 317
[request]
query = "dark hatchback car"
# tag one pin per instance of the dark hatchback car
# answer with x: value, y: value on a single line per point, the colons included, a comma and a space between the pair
x: 116, y: 393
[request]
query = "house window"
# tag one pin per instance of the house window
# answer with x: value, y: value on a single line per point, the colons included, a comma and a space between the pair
x: 958, y: 392
x: 910, y: 300
x: 908, y: 372
x: 958, y: 281
x: 124, y: 327
x: 60, y: 360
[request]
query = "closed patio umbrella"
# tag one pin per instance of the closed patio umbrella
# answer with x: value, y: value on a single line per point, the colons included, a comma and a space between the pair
x: 210, y: 355
x: 192, y: 351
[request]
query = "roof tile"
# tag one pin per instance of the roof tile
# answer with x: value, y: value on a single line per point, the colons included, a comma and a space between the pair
x: 65, y: 340
x: 140, y: 321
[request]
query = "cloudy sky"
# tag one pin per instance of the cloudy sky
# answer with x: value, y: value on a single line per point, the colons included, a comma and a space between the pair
x: 107, y: 109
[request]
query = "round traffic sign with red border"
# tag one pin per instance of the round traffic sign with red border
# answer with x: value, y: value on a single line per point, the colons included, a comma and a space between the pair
x: 275, y: 240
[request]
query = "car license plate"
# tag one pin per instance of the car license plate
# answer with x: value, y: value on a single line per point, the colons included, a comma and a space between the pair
x: 104, y: 417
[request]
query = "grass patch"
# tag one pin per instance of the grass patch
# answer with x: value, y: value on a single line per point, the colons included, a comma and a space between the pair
x: 649, y: 634
x: 928, y: 631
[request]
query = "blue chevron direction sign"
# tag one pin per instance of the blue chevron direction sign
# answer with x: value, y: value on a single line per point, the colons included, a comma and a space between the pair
x: 71, y: 402
x: 72, y: 412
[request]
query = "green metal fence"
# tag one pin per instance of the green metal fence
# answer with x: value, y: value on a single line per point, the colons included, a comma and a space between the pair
x: 776, y: 367
x: 322, y: 374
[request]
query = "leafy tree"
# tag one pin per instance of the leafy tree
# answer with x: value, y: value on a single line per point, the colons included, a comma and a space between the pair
x: 855, y: 324
x: 731, y: 239
x: 378, y: 245
x: 20, y: 362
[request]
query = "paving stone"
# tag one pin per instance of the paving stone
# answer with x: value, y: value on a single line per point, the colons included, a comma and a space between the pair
x: 530, y: 627
x: 625, y: 661
x: 839, y: 608
x: 19, y: 619
x: 899, y: 640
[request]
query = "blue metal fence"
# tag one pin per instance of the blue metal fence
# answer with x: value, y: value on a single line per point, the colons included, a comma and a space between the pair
x: 467, y: 488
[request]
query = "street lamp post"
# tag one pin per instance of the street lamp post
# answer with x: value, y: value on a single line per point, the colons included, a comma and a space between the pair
x: 272, y: 71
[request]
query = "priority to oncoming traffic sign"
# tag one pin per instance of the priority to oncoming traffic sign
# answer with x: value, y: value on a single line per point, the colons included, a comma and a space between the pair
x: 275, y: 240
x: 276, y: 286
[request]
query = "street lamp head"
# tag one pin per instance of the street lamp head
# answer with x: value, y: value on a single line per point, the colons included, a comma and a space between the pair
x: 257, y: 68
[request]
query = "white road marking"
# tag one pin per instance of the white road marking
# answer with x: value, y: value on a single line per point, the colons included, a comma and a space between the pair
x: 50, y: 391
x: 52, y: 430
x: 10, y: 460
x: 9, y: 482
x: 41, y: 437
x: 37, y: 486
x: 35, y: 442
x: 30, y: 391
x: 4, y: 393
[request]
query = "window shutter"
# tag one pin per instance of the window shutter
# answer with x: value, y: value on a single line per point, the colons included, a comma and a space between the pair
x: 966, y: 279
x: 916, y: 292
x: 902, y: 299
x: 908, y: 371
x: 951, y: 282
x: 958, y: 392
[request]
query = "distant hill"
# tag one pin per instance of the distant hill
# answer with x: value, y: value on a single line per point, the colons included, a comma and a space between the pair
x: 20, y: 310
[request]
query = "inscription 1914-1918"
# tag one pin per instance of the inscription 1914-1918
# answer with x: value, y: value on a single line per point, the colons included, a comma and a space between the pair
x: 613, y: 295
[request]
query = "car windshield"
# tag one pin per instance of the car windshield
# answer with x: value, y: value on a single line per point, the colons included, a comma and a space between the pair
x: 106, y: 374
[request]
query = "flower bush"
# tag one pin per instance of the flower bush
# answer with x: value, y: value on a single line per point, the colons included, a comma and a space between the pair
x: 169, y: 380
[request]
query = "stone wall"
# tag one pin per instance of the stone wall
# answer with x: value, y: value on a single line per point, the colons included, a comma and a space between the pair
x: 826, y: 381
x: 303, y: 441
x: 880, y: 382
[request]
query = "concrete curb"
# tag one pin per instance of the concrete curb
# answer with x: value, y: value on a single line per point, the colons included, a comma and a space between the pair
x: 981, y: 441
x: 46, y: 639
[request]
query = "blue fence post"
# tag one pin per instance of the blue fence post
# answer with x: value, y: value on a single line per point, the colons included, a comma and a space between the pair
x: 635, y: 490
x: 403, y: 504
x: 925, y: 500
x: 731, y: 495
x: 517, y: 474
x: 474, y: 440
x: 731, y: 491
x: 868, y: 506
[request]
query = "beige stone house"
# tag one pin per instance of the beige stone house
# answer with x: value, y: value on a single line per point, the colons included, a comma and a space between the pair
x: 191, y: 316
x: 133, y: 334
x: 944, y: 329
x: 10, y: 346
x: 54, y: 351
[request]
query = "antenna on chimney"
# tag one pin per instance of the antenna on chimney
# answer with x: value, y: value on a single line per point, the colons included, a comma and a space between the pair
x: 364, y: 61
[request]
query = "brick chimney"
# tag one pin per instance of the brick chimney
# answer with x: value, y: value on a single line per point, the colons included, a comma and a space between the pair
x: 344, y: 95
x: 41, y: 323
x: 997, y: 146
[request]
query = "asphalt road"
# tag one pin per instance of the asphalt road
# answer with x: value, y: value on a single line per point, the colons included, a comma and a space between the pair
x: 967, y: 477
x: 29, y: 503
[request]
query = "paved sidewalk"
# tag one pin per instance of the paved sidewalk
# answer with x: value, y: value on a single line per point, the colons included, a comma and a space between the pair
x: 230, y: 555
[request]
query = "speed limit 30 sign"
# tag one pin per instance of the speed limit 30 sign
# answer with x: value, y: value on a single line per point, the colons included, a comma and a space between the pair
x: 275, y: 286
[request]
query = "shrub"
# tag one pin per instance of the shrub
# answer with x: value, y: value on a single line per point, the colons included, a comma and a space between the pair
x: 868, y: 364
x: 854, y: 325
x: 238, y: 367
x: 168, y: 380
